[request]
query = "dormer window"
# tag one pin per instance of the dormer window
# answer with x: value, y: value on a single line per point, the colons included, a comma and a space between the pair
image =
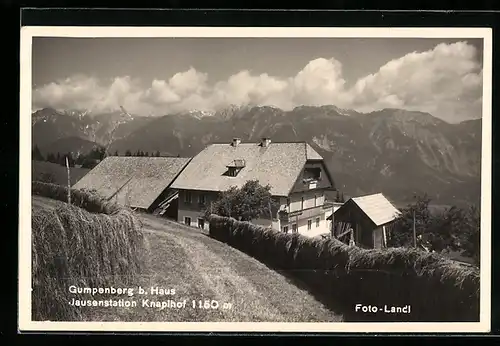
x: 235, y: 167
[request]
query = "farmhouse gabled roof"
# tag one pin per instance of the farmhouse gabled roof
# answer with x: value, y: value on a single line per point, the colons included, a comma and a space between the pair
x: 277, y: 164
x: 377, y: 207
x: 135, y: 181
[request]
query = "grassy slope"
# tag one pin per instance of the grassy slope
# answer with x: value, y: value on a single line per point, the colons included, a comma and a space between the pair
x: 198, y: 267
x: 57, y: 171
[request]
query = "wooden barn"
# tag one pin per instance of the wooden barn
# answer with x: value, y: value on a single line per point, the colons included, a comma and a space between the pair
x: 141, y: 183
x: 365, y: 221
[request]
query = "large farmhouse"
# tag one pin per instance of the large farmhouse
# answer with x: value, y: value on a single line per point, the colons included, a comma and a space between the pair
x: 367, y: 219
x: 138, y: 182
x: 296, y: 173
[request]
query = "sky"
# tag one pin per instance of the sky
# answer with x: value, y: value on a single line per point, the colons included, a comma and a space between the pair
x: 156, y: 76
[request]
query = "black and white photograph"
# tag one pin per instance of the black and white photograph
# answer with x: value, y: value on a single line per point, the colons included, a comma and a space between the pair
x: 255, y: 179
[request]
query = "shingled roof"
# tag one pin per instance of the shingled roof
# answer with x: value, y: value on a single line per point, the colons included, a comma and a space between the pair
x: 277, y: 164
x: 377, y: 207
x: 135, y: 181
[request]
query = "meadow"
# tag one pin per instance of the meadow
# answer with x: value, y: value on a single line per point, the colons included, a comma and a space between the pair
x: 54, y: 173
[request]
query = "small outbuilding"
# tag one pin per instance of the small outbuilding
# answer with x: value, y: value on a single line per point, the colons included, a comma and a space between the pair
x: 364, y: 221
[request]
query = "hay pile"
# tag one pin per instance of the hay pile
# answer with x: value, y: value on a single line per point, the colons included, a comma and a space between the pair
x: 91, y: 202
x: 437, y: 288
x: 72, y: 246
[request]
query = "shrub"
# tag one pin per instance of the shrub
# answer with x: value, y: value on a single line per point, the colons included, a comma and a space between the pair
x: 438, y: 289
x: 250, y: 202
x: 47, y: 178
x: 72, y: 246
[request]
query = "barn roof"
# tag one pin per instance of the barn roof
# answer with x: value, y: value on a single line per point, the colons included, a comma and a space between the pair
x: 377, y: 207
x: 277, y: 164
x: 136, y: 181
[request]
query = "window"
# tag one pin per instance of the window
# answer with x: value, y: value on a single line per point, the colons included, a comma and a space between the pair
x: 201, y: 199
x: 312, y: 174
x: 285, y: 229
x: 187, y: 220
x: 317, y: 222
x: 235, y: 167
x: 302, y: 203
x: 294, y: 228
x: 187, y: 197
x: 315, y: 200
x: 201, y: 223
x: 309, y: 224
x: 233, y: 171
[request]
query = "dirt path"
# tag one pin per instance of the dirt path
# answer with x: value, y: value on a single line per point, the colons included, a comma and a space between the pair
x: 255, y: 292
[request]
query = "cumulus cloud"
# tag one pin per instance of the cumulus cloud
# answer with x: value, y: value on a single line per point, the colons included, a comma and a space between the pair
x: 319, y: 83
x: 74, y: 92
x: 445, y: 81
x: 243, y: 88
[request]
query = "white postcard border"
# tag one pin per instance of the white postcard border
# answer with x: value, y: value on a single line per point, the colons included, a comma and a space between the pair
x: 24, y: 299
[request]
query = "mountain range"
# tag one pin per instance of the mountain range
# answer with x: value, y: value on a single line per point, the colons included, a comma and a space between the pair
x: 394, y: 151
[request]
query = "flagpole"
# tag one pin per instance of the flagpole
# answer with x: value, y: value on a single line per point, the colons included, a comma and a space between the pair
x: 414, y: 231
x: 69, y: 180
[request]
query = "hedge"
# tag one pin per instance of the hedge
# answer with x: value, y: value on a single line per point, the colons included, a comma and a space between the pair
x: 436, y: 288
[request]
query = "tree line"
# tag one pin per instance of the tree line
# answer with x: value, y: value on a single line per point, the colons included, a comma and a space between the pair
x: 86, y: 160
x: 141, y: 153
x: 450, y: 229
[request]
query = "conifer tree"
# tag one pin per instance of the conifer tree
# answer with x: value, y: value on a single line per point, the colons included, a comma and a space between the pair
x: 36, y: 154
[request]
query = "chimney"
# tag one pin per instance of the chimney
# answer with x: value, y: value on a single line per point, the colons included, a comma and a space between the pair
x: 265, y: 142
x: 236, y: 141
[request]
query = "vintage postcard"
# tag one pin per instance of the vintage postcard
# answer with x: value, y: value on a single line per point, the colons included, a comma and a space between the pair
x: 215, y: 179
